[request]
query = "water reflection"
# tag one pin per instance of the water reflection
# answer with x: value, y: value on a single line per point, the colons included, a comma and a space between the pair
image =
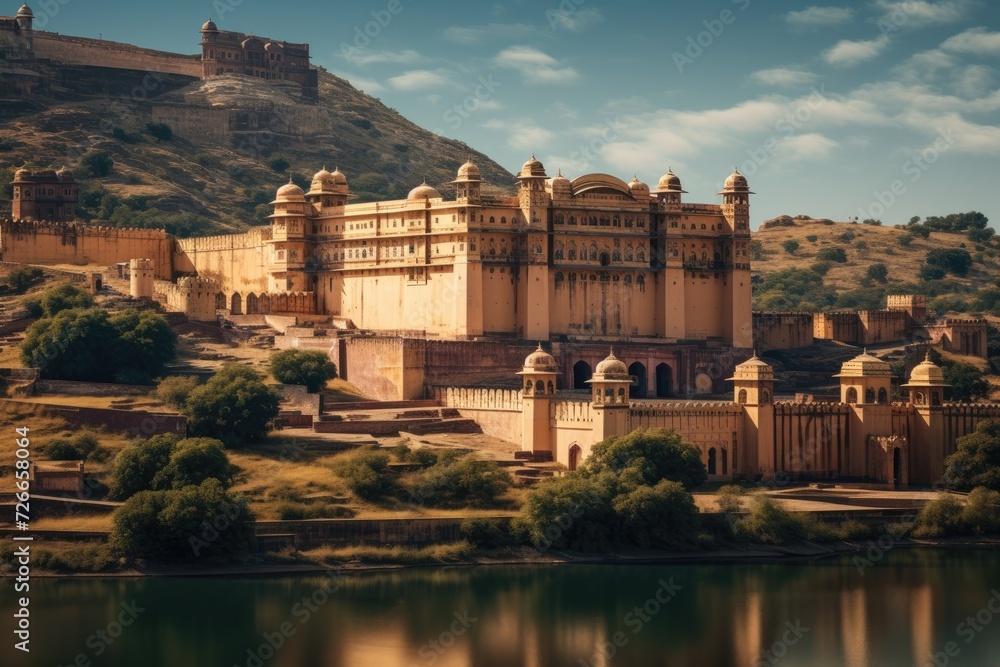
x: 898, y: 613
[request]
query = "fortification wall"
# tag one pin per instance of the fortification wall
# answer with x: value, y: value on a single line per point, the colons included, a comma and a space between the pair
x: 476, y: 363
x: 100, y: 53
x: 782, y: 331
x: 238, y: 262
x: 385, y: 369
x: 72, y: 243
x: 841, y: 327
x: 958, y: 336
x: 811, y: 440
x: 881, y: 326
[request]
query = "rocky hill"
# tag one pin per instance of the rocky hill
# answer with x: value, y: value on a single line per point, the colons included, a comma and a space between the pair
x: 796, y: 266
x: 234, y: 141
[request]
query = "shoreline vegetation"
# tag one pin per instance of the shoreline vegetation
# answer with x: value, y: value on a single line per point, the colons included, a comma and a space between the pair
x: 800, y: 552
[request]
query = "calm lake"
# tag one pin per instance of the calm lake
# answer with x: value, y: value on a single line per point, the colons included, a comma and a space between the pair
x: 903, y: 610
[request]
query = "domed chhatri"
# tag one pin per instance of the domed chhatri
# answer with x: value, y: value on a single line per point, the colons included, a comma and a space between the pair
x: 611, y: 368
x: 540, y: 361
x: 736, y: 183
x: 25, y: 12
x: 532, y: 169
x: 290, y: 192
x: 927, y: 374
x: 468, y: 172
x: 637, y: 187
x: 423, y: 191
x: 864, y: 365
x: 753, y: 368
x: 670, y: 182
x: 209, y: 26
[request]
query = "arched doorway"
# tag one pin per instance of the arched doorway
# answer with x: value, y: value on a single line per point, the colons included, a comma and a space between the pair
x: 220, y: 301
x: 581, y: 373
x: 236, y: 307
x: 711, y: 461
x: 664, y: 381
x: 638, y: 371
x: 251, y: 304
x: 574, y: 457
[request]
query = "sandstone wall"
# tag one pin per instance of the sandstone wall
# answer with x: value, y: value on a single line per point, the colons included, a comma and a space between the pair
x: 882, y: 326
x: 100, y: 53
x: 69, y: 243
x: 238, y: 262
x: 385, y: 369
x: 782, y: 331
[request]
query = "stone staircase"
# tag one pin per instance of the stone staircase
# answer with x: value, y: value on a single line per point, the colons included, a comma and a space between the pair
x: 391, y: 422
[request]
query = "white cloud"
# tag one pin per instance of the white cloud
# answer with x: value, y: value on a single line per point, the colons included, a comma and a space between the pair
x: 804, y: 148
x: 536, y: 66
x: 370, y: 86
x: 574, y: 21
x: 522, y: 134
x: 975, y: 41
x: 847, y: 53
x: 476, y: 34
x: 919, y: 13
x: 972, y: 81
x: 819, y: 17
x: 925, y: 66
x: 419, y: 80
x: 365, y: 57
x: 783, y: 76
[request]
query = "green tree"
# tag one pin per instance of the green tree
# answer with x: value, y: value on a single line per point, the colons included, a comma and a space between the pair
x: 968, y: 383
x: 78, y: 447
x: 23, y: 277
x: 73, y: 345
x: 311, y: 368
x: 278, y: 164
x: 790, y: 246
x: 660, y: 514
x: 96, y: 164
x: 174, y: 390
x: 234, y: 406
x: 192, y: 461
x: 144, y: 344
x: 646, y: 456
x: 183, y: 525
x: 838, y: 255
x: 466, y: 481
x: 905, y: 239
x: 976, y: 461
x: 137, y: 465
x: 928, y: 272
x: 58, y: 298
x: 879, y: 273
x: 953, y: 260
x: 367, y: 474
x: 574, y: 512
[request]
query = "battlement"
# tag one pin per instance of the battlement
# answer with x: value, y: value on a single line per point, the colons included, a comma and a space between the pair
x: 85, y: 51
x: 140, y: 265
x: 194, y: 283
x: 20, y: 227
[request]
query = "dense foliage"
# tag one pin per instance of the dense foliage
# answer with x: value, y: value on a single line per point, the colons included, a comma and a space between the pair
x: 23, y: 277
x: 166, y: 462
x: 234, y: 406
x: 976, y: 461
x: 311, y: 368
x: 57, y: 299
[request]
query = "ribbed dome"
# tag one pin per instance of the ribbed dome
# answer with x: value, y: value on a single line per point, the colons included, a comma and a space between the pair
x: 540, y: 361
x: 865, y: 365
x: 561, y: 186
x: 927, y: 374
x: 736, y: 182
x: 291, y: 192
x: 753, y: 368
x: 25, y: 12
x: 637, y: 187
x: 209, y: 26
x: 532, y: 169
x: 468, y: 172
x: 338, y: 177
x: 669, y: 182
x: 423, y: 191
x: 611, y: 368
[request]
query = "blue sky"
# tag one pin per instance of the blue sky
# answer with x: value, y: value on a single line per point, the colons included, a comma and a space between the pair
x: 886, y: 108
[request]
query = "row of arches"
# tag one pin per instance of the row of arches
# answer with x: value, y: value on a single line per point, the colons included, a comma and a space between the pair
x: 265, y: 303
x: 582, y: 371
x: 882, y: 397
x: 717, y: 463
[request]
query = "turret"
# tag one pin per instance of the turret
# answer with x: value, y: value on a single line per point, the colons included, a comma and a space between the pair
x: 140, y: 278
x: 468, y: 184
x: 927, y: 384
x: 865, y: 380
x: 538, y: 378
x: 25, y: 28
x: 753, y: 382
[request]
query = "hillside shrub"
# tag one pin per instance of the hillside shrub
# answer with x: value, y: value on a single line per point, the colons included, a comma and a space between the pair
x: 234, y: 406
x: 838, y: 255
x: 23, y: 277
x: 311, y: 368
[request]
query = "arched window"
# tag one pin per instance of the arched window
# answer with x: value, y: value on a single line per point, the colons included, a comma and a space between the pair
x: 711, y: 461
x: 918, y: 398
x: 605, y: 259
x: 572, y: 253
x: 581, y: 373
x: 870, y: 395
x: 539, y: 387
x: 742, y: 396
x: 616, y: 256
x: 765, y: 397
x: 551, y: 387
x: 883, y: 396
x: 852, y: 395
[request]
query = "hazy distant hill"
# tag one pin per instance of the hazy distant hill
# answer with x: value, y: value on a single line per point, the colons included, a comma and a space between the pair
x: 789, y: 280
x: 232, y: 138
